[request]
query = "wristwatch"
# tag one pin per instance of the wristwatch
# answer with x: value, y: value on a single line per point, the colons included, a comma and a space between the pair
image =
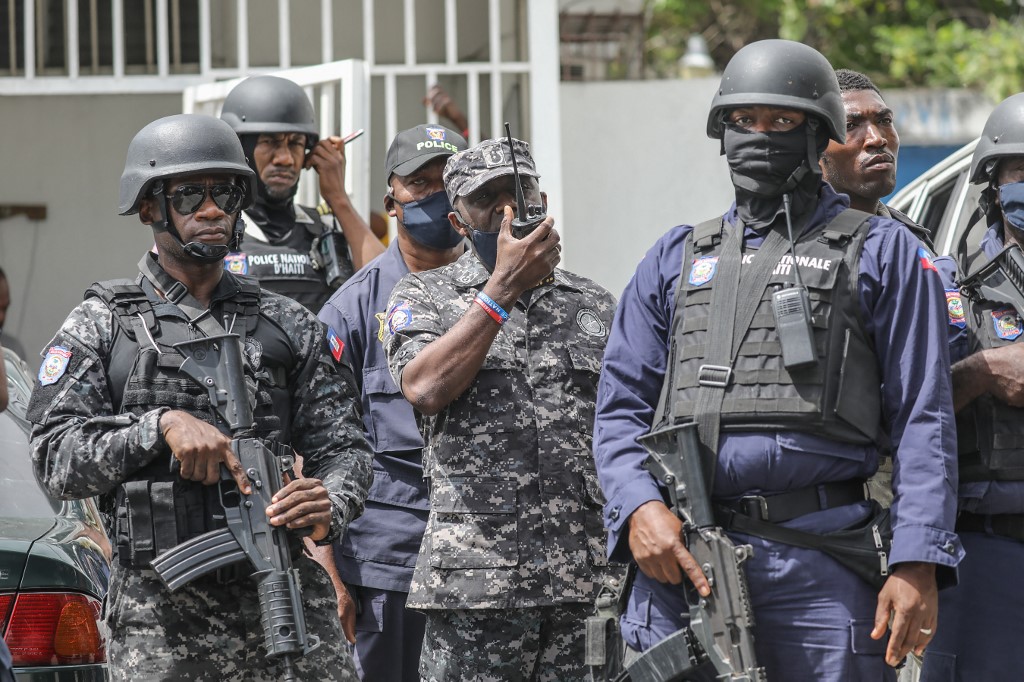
x: 335, y: 530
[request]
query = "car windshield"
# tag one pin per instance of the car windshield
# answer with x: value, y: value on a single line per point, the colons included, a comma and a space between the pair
x: 20, y: 493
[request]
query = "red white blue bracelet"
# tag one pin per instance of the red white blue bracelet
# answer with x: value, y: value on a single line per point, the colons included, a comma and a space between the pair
x: 491, y: 307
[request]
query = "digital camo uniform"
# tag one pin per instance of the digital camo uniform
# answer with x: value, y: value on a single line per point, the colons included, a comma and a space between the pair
x: 515, y: 520
x: 96, y: 410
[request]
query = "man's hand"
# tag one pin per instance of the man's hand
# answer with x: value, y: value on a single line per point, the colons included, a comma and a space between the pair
x: 911, y: 598
x: 346, y: 613
x: 328, y: 160
x: 444, y: 106
x: 200, y: 448
x: 1006, y: 367
x: 656, y: 541
x: 523, y: 263
x: 302, y: 503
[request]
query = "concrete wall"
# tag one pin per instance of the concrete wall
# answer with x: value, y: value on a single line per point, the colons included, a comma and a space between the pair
x: 636, y: 161
x: 67, y: 152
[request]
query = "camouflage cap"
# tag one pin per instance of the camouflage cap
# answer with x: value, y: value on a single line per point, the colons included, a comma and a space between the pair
x: 467, y: 171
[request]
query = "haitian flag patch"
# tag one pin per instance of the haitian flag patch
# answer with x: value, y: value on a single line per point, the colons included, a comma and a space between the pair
x: 703, y: 269
x: 335, y: 343
x: 926, y: 260
x: 1007, y: 323
x: 955, y: 307
x: 55, y: 363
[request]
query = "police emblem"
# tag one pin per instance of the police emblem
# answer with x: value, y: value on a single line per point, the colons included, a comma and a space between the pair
x: 335, y: 343
x: 400, y: 317
x: 703, y: 269
x: 253, y: 352
x: 494, y: 156
x: 236, y: 263
x: 436, y: 134
x: 1007, y: 324
x: 955, y: 306
x: 590, y: 323
x: 380, y: 327
x: 54, y: 365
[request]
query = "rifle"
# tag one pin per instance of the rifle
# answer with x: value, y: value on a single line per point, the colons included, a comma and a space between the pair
x: 215, y: 363
x: 1001, y: 280
x: 719, y: 644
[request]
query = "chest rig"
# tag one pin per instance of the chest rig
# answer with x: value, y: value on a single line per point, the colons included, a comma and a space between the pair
x: 839, y: 397
x: 155, y: 508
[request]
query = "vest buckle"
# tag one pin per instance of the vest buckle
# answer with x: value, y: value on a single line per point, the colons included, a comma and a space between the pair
x: 717, y: 376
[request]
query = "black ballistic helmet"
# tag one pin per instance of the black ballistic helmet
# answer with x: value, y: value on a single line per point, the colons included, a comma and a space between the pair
x: 268, y: 104
x: 183, y: 144
x: 1003, y: 136
x: 780, y: 73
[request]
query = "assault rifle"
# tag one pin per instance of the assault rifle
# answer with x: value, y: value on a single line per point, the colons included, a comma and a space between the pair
x: 719, y: 644
x: 1001, y: 280
x: 215, y: 363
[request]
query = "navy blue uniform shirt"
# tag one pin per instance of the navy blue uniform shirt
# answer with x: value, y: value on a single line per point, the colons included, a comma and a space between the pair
x: 903, y: 313
x: 381, y: 546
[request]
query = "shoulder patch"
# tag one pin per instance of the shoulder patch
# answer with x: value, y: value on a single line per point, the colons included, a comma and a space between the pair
x: 236, y: 263
x: 926, y: 259
x: 335, y: 344
x: 590, y: 323
x: 55, y: 363
x: 1007, y: 324
x: 703, y: 269
x: 399, y: 317
x: 955, y: 307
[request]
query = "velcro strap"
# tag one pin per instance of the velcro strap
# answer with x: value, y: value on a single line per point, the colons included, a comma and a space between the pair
x: 165, y: 526
x: 140, y: 522
x: 787, y: 506
x: 1006, y: 525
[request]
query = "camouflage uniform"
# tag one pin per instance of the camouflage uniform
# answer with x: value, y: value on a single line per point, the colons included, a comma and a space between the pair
x: 94, y: 431
x: 515, y: 520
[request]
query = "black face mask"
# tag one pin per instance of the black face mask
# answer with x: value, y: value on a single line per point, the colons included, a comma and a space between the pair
x: 427, y: 223
x: 764, y: 166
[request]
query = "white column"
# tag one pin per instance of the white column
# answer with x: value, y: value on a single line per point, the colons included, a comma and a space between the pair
x: 545, y: 109
x: 71, y: 9
x: 284, y: 35
x: 162, y: 39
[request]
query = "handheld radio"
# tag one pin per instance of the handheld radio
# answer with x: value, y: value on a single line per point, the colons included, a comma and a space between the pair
x: 528, y: 216
x: 792, y: 309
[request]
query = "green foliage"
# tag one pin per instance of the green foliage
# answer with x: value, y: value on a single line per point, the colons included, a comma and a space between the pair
x: 911, y: 43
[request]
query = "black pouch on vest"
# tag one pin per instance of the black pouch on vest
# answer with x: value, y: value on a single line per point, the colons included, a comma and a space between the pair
x: 864, y: 549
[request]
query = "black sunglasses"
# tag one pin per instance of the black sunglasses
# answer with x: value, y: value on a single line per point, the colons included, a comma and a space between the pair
x: 187, y: 199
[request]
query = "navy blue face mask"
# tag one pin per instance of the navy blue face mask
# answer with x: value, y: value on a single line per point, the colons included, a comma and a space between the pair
x: 426, y: 221
x: 485, y: 244
x: 1011, y: 198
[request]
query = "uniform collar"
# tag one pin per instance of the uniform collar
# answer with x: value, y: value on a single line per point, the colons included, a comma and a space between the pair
x: 253, y: 231
x: 393, y: 254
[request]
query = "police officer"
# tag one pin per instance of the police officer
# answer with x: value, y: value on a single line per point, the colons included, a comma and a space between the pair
x: 291, y: 249
x: 377, y: 555
x: 112, y: 412
x: 500, y: 352
x: 793, y: 445
x: 864, y: 167
x: 980, y: 625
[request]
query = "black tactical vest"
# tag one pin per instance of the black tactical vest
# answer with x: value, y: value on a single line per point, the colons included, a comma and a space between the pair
x: 286, y: 267
x: 839, y: 397
x: 155, y: 508
x: 990, y: 433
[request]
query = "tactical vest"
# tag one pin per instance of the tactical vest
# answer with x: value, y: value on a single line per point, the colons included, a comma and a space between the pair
x: 155, y: 508
x: 839, y: 397
x: 990, y: 433
x: 287, y: 267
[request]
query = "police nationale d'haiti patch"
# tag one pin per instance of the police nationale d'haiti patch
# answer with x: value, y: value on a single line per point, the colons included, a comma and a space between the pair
x: 236, y: 263
x: 436, y: 133
x: 55, y: 363
x: 335, y: 344
x: 1007, y: 323
x: 703, y: 269
x: 400, y: 317
x: 955, y: 306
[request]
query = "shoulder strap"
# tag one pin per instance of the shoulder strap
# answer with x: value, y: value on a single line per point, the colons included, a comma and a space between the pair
x: 130, y: 305
x: 844, y: 226
x: 708, y: 234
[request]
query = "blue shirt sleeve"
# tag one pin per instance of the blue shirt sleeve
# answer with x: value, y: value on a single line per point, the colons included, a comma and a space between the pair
x: 631, y: 379
x: 333, y: 315
x: 905, y: 313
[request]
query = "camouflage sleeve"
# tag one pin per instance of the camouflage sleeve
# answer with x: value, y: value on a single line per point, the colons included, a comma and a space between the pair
x: 412, y: 321
x: 80, y: 447
x: 327, y: 425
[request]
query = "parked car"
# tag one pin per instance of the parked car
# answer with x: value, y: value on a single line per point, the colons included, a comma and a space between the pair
x: 54, y: 562
x: 942, y: 199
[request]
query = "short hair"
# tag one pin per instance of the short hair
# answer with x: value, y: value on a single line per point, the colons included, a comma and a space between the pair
x: 852, y: 81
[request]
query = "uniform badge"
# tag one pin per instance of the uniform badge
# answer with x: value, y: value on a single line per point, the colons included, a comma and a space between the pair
x: 335, y: 343
x: 236, y: 263
x: 400, y: 317
x: 436, y: 134
x: 380, y: 327
x: 54, y: 365
x: 590, y: 323
x: 1007, y: 323
x: 955, y: 306
x: 253, y: 352
x: 703, y: 269
x: 926, y: 260
x: 494, y: 156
